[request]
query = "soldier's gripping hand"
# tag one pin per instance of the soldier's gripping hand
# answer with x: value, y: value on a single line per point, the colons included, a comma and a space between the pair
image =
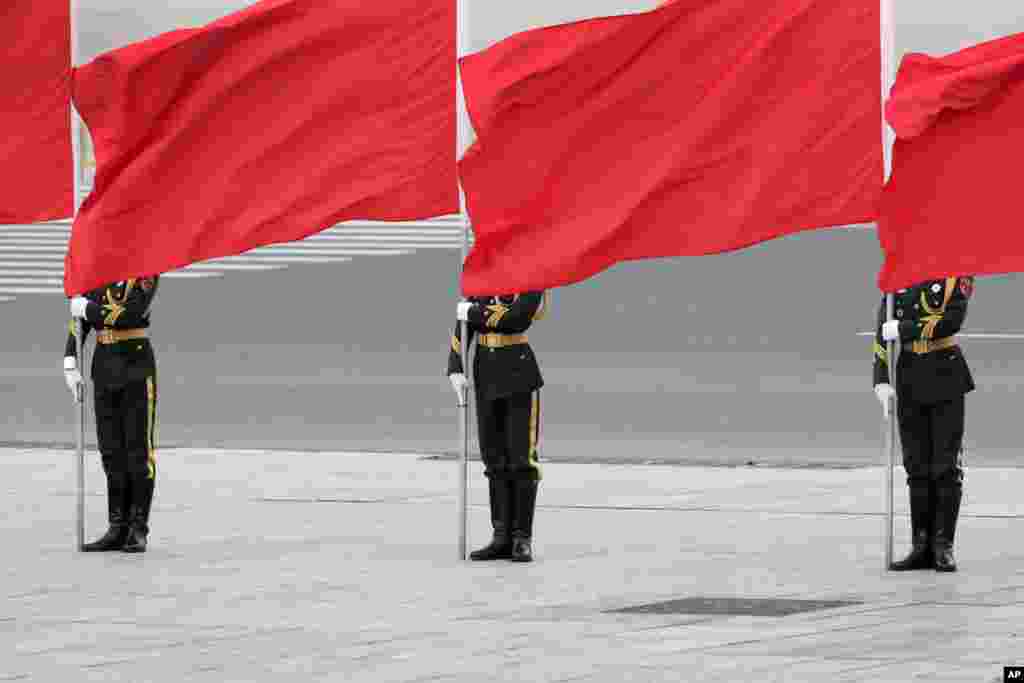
x: 884, y: 393
x: 891, y: 330
x: 78, y: 306
x: 459, y: 383
x: 72, y: 377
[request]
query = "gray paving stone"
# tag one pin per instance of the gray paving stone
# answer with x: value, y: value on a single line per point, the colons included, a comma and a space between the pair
x: 333, y: 566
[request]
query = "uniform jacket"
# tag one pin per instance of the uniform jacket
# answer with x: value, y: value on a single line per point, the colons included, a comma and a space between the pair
x: 930, y: 310
x: 119, y: 306
x: 508, y: 370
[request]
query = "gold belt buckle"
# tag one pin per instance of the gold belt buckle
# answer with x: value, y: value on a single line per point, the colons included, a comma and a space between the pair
x: 497, y: 340
x: 922, y: 346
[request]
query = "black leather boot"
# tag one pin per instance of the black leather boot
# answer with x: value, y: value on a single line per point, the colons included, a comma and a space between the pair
x: 522, y: 523
x: 947, y: 510
x: 138, y: 520
x: 500, y: 547
x: 117, y: 515
x: 921, y: 517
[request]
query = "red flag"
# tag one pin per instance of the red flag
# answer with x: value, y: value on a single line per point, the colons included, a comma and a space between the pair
x: 36, y: 182
x: 700, y: 127
x: 952, y: 204
x: 266, y: 126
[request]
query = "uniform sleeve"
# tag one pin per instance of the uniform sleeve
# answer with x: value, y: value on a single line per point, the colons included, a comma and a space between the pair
x: 880, y: 375
x: 455, y: 352
x: 511, y: 319
x: 69, y: 346
x: 947, y: 323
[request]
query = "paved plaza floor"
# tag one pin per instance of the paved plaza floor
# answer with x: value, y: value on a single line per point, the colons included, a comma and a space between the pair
x: 274, y: 565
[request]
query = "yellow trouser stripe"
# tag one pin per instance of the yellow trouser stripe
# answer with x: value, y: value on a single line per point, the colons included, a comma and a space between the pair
x: 535, y: 433
x: 151, y: 426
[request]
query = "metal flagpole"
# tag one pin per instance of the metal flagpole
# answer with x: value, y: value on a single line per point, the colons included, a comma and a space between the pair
x: 76, y: 147
x: 462, y: 44
x: 888, y: 45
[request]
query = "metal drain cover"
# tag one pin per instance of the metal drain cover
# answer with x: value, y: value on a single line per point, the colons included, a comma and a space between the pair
x: 750, y: 607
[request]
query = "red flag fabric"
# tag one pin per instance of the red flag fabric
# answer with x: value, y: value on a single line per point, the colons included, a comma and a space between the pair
x: 700, y: 127
x: 36, y: 182
x: 952, y: 203
x: 266, y: 126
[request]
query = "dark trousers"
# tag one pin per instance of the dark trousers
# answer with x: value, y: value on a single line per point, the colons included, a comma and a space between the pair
x: 509, y: 430
x: 126, y: 427
x: 932, y: 435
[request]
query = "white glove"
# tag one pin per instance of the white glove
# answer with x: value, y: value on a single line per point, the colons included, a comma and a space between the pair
x: 891, y: 330
x: 884, y: 393
x: 72, y: 377
x: 458, y: 381
x: 78, y: 306
x: 462, y: 310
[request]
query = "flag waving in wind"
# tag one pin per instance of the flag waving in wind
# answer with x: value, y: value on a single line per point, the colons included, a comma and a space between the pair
x: 700, y: 127
x: 952, y: 205
x: 36, y: 182
x: 266, y: 126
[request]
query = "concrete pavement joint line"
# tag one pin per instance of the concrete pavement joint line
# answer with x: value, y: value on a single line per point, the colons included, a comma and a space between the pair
x: 974, y: 604
x: 1003, y: 589
x: 867, y: 609
x: 149, y: 649
x: 401, y: 499
x: 769, y: 511
x: 16, y: 448
x: 878, y: 663
x: 674, y: 624
x: 790, y: 636
x: 110, y: 662
x: 600, y: 508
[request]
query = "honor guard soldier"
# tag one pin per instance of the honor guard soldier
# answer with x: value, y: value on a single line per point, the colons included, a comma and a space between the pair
x: 507, y: 383
x: 125, y: 391
x: 932, y: 379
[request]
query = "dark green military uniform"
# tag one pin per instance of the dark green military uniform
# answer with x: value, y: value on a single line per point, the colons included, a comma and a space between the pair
x: 125, y: 393
x: 507, y: 383
x: 932, y: 379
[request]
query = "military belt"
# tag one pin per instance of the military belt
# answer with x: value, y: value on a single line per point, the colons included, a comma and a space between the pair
x: 929, y: 345
x: 496, y: 340
x: 108, y: 336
